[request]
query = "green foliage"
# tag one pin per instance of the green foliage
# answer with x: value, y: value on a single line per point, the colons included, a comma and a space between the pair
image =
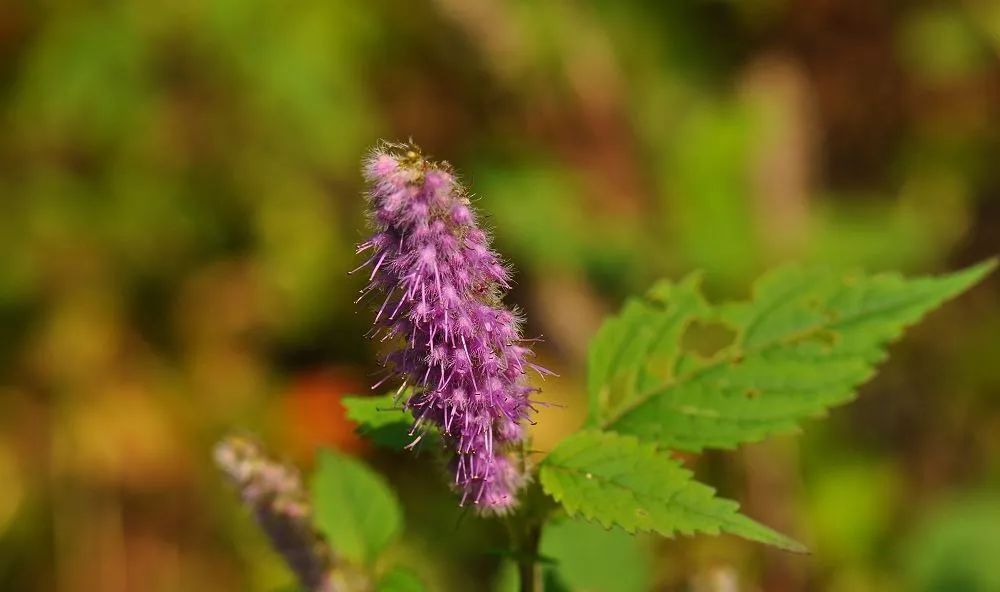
x: 582, y: 552
x: 629, y: 346
x: 182, y: 197
x: 804, y: 342
x: 354, y: 507
x: 851, y: 506
x: 955, y: 549
x: 705, y: 177
x: 381, y: 419
x: 618, y: 480
x: 400, y: 580
x: 571, y: 235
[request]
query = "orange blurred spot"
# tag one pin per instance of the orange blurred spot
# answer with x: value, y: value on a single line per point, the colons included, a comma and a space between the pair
x: 315, y: 416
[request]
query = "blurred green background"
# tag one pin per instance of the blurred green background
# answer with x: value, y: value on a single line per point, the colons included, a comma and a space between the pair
x: 180, y: 195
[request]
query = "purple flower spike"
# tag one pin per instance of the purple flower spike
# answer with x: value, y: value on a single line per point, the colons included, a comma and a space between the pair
x: 459, y: 346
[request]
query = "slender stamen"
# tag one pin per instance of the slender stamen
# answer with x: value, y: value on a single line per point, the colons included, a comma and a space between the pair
x: 362, y: 266
x: 377, y: 266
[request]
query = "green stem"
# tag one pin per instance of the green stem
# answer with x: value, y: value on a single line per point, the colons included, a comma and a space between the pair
x: 525, y: 531
x: 529, y: 570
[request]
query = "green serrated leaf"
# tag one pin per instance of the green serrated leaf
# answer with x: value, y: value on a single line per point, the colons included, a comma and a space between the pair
x: 400, y: 579
x: 618, y: 480
x: 381, y: 419
x: 353, y: 507
x: 641, y: 345
x: 805, y: 341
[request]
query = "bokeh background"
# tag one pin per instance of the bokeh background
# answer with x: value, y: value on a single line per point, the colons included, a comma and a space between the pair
x: 180, y: 195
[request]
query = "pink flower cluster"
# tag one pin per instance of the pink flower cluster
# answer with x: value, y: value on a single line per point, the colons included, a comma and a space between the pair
x: 458, y: 345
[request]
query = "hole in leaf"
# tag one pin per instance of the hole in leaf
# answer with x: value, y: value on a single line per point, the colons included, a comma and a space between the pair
x: 707, y: 339
x: 828, y: 339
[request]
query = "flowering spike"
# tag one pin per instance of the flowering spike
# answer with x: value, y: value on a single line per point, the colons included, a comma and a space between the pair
x: 458, y: 343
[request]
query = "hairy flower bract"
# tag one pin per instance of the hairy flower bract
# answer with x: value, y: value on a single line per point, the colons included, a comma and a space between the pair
x: 457, y: 345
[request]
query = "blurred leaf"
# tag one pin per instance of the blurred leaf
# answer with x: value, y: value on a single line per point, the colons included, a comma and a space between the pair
x: 12, y: 495
x: 400, y: 580
x: 553, y: 582
x: 956, y: 549
x: 382, y: 419
x: 556, y: 231
x: 851, y: 508
x: 354, y: 507
x: 506, y: 579
x: 707, y: 183
x: 299, y: 247
x: 942, y: 44
x: 618, y: 480
x: 543, y: 218
x: 590, y: 558
x: 805, y: 341
x: 96, y: 58
x: 854, y: 231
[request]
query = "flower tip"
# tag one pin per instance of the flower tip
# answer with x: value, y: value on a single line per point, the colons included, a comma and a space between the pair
x: 380, y: 166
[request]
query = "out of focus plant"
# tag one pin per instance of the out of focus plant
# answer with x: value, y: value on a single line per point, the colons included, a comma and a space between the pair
x: 803, y: 342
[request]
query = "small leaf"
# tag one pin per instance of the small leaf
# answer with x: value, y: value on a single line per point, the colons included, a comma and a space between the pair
x: 805, y: 341
x: 618, y: 480
x: 354, y: 508
x: 400, y: 579
x: 381, y: 419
